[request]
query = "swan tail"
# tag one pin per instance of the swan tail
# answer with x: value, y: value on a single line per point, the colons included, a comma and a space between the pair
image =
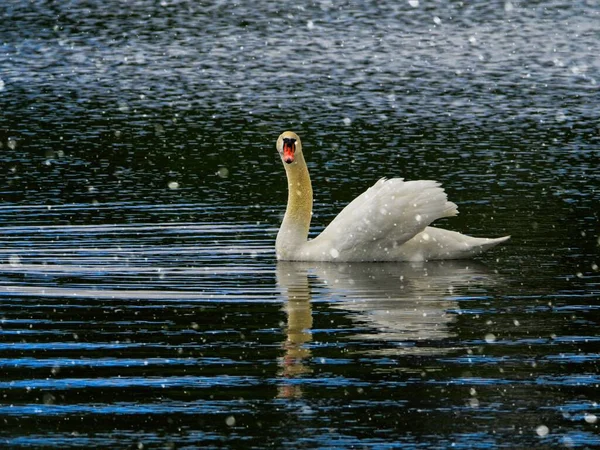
x: 437, y: 243
x: 484, y: 244
x: 457, y: 245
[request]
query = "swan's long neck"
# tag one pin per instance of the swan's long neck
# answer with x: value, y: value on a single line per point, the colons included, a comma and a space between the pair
x: 296, y: 222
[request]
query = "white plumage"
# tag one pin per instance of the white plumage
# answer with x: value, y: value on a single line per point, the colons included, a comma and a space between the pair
x: 387, y: 222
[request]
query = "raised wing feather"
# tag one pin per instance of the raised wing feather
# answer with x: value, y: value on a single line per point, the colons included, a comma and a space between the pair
x: 382, y: 218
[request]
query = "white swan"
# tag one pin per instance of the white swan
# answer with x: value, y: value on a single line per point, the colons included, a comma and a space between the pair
x: 388, y: 222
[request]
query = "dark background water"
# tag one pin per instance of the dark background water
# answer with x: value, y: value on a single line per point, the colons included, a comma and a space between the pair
x: 140, y: 300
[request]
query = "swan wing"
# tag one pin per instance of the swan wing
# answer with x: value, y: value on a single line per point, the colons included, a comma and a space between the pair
x: 381, y: 219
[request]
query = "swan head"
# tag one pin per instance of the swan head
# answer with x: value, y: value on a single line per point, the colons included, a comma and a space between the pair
x: 289, y: 146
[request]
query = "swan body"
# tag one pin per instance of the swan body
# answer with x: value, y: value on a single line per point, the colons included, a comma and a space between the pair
x: 388, y: 222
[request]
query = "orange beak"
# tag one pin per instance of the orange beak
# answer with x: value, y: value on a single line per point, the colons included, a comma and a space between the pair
x: 289, y: 148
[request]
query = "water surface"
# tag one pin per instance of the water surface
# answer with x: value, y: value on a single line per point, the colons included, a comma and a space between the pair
x: 141, y: 301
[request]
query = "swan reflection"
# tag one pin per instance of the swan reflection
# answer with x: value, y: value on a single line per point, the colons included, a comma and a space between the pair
x: 408, y: 306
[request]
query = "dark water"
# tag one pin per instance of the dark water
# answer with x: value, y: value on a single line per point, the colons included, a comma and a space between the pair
x: 141, y: 305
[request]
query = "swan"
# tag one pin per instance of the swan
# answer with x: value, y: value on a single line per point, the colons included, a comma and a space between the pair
x: 388, y: 222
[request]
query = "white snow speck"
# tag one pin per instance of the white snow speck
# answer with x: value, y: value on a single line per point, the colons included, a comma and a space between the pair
x: 347, y: 121
x: 542, y: 430
x: 418, y: 217
x: 490, y: 337
x: 310, y: 24
x: 12, y: 144
x: 14, y: 260
x: 223, y: 172
x: 2, y: 84
x: 508, y: 6
x: 173, y: 185
x: 413, y: 3
x: 437, y: 20
x: 590, y: 418
x: 334, y: 253
x: 472, y: 39
x: 230, y: 421
x: 140, y: 58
